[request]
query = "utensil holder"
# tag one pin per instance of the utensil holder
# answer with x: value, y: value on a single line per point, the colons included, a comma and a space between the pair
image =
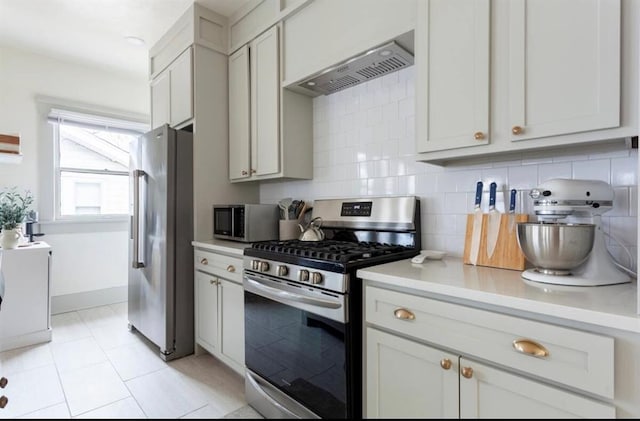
x: 289, y: 229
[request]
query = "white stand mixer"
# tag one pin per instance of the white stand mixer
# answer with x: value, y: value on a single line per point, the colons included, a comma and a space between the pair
x: 561, y: 198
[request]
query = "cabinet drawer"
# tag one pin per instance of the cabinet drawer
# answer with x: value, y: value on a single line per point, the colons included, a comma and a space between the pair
x: 575, y: 358
x: 219, y: 264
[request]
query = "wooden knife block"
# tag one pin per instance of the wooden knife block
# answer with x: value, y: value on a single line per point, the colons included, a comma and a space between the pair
x: 507, y: 254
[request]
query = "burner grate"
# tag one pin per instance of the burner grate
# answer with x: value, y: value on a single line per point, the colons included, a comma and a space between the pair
x: 330, y: 250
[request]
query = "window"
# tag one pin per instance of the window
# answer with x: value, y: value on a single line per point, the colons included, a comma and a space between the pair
x: 91, y: 164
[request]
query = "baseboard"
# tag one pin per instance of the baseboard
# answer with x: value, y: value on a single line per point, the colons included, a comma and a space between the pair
x: 88, y: 299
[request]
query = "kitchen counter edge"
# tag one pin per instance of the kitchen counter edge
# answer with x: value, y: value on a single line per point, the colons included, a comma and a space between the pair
x: 230, y: 248
x: 505, y: 290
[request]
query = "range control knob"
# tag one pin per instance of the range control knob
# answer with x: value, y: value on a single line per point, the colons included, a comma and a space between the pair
x: 303, y: 275
x: 282, y: 270
x: 316, y: 278
x: 255, y: 264
x: 264, y: 267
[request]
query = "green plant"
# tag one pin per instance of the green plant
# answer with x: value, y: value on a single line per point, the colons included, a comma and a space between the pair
x: 14, y: 207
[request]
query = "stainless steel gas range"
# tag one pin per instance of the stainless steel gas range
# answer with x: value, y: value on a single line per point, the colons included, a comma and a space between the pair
x: 303, y: 306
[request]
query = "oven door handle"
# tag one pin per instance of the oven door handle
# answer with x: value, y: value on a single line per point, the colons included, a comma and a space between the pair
x: 285, y: 295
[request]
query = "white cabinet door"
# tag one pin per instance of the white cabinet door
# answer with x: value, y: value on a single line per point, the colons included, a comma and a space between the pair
x: 232, y: 320
x: 265, y: 103
x: 181, y: 88
x: 452, y: 83
x: 25, y: 316
x: 564, y: 66
x: 160, y: 102
x: 172, y: 93
x: 239, y: 115
x: 207, y: 310
x: 486, y: 392
x: 405, y: 379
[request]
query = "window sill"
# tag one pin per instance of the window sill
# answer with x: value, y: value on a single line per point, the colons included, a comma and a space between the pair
x: 69, y: 226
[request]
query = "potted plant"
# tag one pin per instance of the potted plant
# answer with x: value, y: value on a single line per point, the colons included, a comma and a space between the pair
x: 13, y: 210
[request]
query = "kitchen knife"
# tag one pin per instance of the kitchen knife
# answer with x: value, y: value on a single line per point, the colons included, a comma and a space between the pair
x: 477, y: 226
x: 493, y: 223
x: 512, y: 211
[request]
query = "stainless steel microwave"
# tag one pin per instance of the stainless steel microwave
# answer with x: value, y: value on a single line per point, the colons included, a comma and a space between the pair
x: 246, y: 222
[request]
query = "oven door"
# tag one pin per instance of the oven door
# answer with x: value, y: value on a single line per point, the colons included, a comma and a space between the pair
x: 296, y: 348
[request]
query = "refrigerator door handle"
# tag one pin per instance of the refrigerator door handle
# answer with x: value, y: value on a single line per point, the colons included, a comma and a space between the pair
x: 137, y: 175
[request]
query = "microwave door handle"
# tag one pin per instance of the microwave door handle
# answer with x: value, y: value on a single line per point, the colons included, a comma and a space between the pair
x: 285, y: 295
x: 136, y: 263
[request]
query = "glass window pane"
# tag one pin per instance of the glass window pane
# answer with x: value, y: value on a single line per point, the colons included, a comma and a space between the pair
x: 86, y: 148
x: 93, y: 194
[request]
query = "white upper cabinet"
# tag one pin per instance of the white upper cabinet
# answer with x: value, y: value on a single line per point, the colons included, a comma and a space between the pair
x: 507, y: 76
x: 564, y: 62
x: 452, y: 101
x: 172, y: 93
x: 270, y: 128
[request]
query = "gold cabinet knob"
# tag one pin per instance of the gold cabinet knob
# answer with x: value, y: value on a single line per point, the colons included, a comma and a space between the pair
x: 231, y: 268
x: 253, y: 171
x: 3, y: 401
x: 3, y: 382
x: 204, y: 261
x: 530, y: 347
x: 244, y: 172
x: 467, y: 372
x: 445, y: 363
x: 212, y: 281
x: 404, y: 314
x: 478, y: 136
x: 517, y: 130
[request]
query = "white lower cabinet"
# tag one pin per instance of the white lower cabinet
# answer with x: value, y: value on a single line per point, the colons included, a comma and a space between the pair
x: 423, y: 361
x: 219, y: 307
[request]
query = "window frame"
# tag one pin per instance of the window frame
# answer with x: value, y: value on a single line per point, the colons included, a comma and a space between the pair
x: 51, y: 203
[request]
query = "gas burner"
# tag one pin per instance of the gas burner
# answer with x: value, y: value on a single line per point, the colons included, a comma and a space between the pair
x: 330, y: 250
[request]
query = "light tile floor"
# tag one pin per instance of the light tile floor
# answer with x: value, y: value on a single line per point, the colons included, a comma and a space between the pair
x: 94, y: 367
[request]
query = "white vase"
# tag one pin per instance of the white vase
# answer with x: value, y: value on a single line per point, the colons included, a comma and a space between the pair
x: 9, y: 238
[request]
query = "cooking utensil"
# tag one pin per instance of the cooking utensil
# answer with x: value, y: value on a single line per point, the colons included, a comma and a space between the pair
x: 284, y: 207
x: 493, y: 223
x: 512, y: 211
x: 477, y: 226
x: 312, y: 232
x: 301, y: 211
x: 293, y: 208
x: 556, y: 248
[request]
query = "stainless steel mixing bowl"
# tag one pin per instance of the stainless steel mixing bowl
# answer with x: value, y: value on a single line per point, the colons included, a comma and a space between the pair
x: 555, y: 248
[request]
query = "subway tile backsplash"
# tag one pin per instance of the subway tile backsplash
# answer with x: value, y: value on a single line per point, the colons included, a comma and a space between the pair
x: 364, y: 145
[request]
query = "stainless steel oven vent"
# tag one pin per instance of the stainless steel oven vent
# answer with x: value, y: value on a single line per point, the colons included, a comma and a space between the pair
x: 370, y: 65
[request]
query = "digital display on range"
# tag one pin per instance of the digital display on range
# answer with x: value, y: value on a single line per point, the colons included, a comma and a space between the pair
x: 356, y: 209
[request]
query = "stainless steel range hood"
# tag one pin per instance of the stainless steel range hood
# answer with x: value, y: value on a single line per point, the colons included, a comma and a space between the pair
x: 374, y: 63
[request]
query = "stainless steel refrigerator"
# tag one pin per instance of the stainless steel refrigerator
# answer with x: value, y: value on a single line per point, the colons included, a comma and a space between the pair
x: 160, y: 299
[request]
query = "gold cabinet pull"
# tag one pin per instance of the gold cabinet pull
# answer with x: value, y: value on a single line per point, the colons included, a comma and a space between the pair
x: 529, y: 347
x: 204, y: 261
x: 404, y: 314
x: 231, y: 268
x: 516, y: 130
x: 467, y: 372
x: 244, y: 172
x: 478, y: 135
x: 445, y: 363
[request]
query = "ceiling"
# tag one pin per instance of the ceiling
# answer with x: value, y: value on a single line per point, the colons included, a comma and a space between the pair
x: 92, y: 31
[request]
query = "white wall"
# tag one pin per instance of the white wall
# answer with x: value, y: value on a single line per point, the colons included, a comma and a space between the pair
x: 86, y: 257
x: 364, y: 146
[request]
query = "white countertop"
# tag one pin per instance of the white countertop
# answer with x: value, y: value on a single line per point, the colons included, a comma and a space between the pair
x: 612, y: 306
x: 234, y: 248
x: 28, y: 246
